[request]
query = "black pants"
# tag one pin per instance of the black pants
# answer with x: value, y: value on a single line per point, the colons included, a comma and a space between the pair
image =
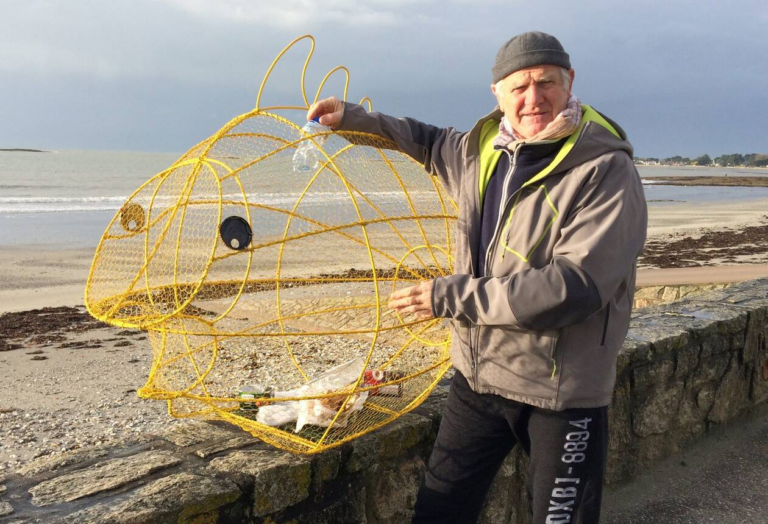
x: 567, y: 451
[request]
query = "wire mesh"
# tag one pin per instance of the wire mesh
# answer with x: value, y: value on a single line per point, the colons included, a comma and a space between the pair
x: 254, y: 280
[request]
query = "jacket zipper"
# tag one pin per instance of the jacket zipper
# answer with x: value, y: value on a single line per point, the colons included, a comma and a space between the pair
x: 502, y: 206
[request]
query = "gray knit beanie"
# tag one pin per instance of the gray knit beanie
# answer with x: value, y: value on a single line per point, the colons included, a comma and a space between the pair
x: 528, y: 50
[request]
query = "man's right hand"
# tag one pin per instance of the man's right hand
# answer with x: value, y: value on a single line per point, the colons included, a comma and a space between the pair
x: 329, y: 110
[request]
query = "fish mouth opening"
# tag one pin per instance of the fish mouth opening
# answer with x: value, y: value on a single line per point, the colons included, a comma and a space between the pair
x: 143, y: 309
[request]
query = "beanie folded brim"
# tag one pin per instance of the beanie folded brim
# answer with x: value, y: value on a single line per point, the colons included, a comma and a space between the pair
x: 529, y: 59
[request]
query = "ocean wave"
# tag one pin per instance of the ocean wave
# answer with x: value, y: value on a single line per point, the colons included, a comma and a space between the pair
x: 113, y: 203
x: 58, y: 200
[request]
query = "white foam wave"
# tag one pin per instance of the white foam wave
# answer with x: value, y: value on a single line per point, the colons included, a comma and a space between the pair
x: 113, y: 203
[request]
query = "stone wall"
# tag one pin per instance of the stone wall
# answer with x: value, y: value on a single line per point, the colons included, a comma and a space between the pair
x: 655, y: 295
x: 684, y: 368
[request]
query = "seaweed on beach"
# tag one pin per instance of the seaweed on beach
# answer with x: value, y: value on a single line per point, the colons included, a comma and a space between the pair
x: 711, y: 248
x: 44, y: 325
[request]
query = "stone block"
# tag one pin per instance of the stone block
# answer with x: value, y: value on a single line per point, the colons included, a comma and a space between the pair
x: 749, y: 294
x: 666, y: 333
x: 349, y: 510
x: 670, y: 293
x: 190, y: 433
x: 279, y: 479
x: 69, y: 458
x: 649, y: 292
x: 621, y: 465
x: 364, y: 452
x: 653, y: 375
x: 732, y: 395
x: 401, y: 436
x: 623, y: 363
x: 225, y: 445
x: 497, y: 508
x: 6, y: 509
x: 181, y: 498
x: 392, y: 441
x: 690, y: 419
x: 738, y: 340
x: 705, y: 397
x: 710, y: 370
x: 393, y: 493
x: 101, y: 477
x: 325, y: 467
x: 754, y: 340
x: 711, y: 317
x: 655, y: 416
x: 686, y: 360
x: 715, y: 345
x: 759, y: 392
x: 654, y: 448
x: 620, y: 418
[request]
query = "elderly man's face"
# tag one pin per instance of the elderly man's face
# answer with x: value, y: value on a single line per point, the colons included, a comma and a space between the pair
x: 531, y: 98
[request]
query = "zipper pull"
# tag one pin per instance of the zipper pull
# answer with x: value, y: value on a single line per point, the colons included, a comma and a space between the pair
x: 554, y: 369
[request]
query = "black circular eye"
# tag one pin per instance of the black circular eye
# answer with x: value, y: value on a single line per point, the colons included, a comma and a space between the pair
x: 236, y: 233
x: 132, y: 217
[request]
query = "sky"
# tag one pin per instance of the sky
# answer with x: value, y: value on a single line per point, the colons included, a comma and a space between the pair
x: 681, y: 77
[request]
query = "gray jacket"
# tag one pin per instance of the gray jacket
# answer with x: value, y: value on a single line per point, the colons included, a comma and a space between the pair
x: 545, y: 325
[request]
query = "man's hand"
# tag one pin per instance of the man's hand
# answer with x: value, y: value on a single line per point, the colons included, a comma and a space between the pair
x: 329, y: 110
x: 416, y: 300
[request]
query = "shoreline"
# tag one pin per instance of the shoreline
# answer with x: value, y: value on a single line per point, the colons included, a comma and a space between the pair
x: 38, y: 275
x: 708, y: 181
x: 664, y: 166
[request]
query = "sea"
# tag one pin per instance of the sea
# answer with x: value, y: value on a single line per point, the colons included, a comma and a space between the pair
x: 67, y: 198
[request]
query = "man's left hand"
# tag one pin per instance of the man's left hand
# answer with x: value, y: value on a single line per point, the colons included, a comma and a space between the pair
x: 416, y: 300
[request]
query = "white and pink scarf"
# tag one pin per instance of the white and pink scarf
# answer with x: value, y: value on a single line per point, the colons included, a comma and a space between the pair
x: 565, y: 123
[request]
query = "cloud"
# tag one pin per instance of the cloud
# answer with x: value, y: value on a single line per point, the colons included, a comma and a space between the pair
x: 664, y: 70
x: 48, y: 60
x: 300, y: 13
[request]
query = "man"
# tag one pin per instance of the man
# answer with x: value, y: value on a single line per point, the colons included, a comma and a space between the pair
x: 552, y: 218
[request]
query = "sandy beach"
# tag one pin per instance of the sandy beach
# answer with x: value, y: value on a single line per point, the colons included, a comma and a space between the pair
x: 71, y: 381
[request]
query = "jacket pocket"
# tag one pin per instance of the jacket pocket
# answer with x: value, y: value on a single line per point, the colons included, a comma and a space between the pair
x: 552, y: 355
x: 529, y: 223
x: 605, y: 324
x: 517, y: 361
x: 461, y: 328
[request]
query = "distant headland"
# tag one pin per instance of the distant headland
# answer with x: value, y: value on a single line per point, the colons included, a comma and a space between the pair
x: 732, y: 160
x: 20, y: 150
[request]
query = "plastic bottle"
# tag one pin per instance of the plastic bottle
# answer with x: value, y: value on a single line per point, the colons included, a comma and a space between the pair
x: 307, y: 157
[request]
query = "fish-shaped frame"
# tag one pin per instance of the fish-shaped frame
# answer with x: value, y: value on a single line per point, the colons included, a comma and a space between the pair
x: 248, y: 273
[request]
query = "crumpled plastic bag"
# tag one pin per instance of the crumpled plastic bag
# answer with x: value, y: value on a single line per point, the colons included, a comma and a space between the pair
x: 320, y: 411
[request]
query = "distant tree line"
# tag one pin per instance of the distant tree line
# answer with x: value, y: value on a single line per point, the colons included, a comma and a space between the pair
x: 734, y: 160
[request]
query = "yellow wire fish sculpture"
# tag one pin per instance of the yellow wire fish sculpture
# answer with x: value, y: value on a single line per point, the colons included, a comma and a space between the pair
x: 263, y: 287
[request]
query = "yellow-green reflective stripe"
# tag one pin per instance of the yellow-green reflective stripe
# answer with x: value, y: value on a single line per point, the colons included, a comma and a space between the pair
x: 587, y: 115
x: 489, y: 156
